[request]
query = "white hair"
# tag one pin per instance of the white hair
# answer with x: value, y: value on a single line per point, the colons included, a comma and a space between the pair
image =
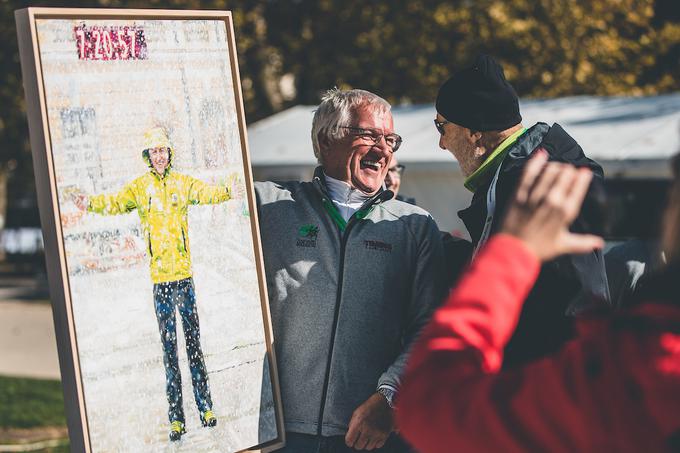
x: 335, y: 111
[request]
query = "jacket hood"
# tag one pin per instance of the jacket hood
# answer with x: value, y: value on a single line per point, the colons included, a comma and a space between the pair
x: 560, y: 146
x: 157, y: 137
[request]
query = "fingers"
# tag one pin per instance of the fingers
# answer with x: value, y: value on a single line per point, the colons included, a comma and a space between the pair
x: 363, y: 438
x: 546, y: 184
x: 548, y: 199
x: 560, y: 191
x: 367, y: 441
x: 362, y: 442
x: 578, y: 244
x: 236, y: 187
x: 376, y: 443
x: 80, y: 201
x: 577, y: 193
x: 356, y: 439
x: 352, y: 434
x: 532, y: 170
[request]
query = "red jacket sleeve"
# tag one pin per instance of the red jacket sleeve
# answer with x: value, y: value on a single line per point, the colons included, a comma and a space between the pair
x: 442, y: 405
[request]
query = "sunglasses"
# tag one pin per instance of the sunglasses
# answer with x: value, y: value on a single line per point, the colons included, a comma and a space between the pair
x: 440, y: 125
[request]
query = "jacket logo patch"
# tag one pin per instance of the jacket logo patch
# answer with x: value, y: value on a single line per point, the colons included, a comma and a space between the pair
x: 308, y: 234
x: 308, y: 231
x: 379, y: 246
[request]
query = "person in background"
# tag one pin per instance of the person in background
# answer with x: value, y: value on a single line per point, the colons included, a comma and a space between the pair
x: 479, y: 122
x: 393, y: 181
x: 353, y: 275
x: 615, y: 387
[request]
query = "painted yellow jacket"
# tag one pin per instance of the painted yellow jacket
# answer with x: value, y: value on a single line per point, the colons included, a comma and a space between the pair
x: 162, y: 203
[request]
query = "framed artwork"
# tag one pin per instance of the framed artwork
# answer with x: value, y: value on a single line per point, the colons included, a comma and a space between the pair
x: 145, y: 192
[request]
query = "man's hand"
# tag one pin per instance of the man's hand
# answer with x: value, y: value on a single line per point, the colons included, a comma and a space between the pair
x: 547, y: 201
x: 81, y: 201
x: 371, y: 424
x: 235, y: 187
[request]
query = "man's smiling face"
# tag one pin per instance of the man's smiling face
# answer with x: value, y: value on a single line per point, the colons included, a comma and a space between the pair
x: 160, y: 159
x: 356, y: 159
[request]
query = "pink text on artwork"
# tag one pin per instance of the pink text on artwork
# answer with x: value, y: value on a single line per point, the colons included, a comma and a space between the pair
x: 110, y: 42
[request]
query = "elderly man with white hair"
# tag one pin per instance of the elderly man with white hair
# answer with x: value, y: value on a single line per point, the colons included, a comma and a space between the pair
x: 352, y: 275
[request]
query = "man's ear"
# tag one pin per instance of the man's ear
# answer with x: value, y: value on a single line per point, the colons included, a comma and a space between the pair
x: 324, y: 142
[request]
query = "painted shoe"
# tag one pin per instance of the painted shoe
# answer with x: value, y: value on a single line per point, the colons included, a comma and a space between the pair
x: 176, y: 430
x: 208, y: 419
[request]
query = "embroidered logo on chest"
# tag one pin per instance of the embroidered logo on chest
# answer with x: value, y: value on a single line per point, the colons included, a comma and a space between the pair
x: 307, y: 235
x: 378, y: 246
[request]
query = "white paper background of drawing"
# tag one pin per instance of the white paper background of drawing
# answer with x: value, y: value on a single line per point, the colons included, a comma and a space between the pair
x: 98, y: 112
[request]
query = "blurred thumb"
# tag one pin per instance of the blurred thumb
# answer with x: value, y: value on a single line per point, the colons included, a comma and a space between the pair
x: 578, y: 244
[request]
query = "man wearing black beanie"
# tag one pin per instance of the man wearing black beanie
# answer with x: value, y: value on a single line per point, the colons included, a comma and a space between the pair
x: 479, y: 122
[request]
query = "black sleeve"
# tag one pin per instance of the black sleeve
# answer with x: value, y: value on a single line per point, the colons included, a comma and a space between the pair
x: 457, y: 254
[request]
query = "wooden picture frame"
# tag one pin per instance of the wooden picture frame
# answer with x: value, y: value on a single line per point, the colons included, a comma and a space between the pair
x: 103, y: 87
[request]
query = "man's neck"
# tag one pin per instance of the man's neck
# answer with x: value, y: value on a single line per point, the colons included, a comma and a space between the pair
x: 494, y: 158
x: 346, y: 198
x: 502, y: 136
x: 337, y: 186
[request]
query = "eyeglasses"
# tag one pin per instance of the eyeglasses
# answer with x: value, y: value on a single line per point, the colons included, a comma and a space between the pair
x: 393, y: 141
x: 398, y: 169
x: 440, y: 125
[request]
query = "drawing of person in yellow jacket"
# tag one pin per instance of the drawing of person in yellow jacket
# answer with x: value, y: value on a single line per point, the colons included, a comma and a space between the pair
x: 161, y: 198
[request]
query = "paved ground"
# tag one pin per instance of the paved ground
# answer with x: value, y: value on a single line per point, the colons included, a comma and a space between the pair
x: 27, y: 343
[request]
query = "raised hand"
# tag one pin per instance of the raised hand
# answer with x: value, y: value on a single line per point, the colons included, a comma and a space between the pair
x: 547, y: 201
x: 235, y: 187
x: 81, y: 201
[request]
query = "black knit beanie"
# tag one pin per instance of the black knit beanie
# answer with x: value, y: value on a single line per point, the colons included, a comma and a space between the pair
x: 479, y: 98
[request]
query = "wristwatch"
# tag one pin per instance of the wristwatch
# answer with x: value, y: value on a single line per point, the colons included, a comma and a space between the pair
x: 389, y: 395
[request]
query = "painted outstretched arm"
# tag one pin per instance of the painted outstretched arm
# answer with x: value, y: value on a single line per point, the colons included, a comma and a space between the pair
x: 203, y: 193
x: 120, y: 202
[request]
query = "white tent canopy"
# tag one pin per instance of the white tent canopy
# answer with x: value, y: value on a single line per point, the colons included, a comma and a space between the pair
x: 630, y: 137
x: 608, y: 129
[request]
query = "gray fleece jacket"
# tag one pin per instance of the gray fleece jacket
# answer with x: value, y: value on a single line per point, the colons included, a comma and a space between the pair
x: 346, y: 300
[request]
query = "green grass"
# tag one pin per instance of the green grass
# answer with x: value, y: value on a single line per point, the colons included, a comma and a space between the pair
x: 30, y: 403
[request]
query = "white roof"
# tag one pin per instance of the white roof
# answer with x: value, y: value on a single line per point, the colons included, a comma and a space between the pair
x: 608, y: 129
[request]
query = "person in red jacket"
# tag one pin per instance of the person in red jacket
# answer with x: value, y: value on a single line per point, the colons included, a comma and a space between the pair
x: 615, y: 387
